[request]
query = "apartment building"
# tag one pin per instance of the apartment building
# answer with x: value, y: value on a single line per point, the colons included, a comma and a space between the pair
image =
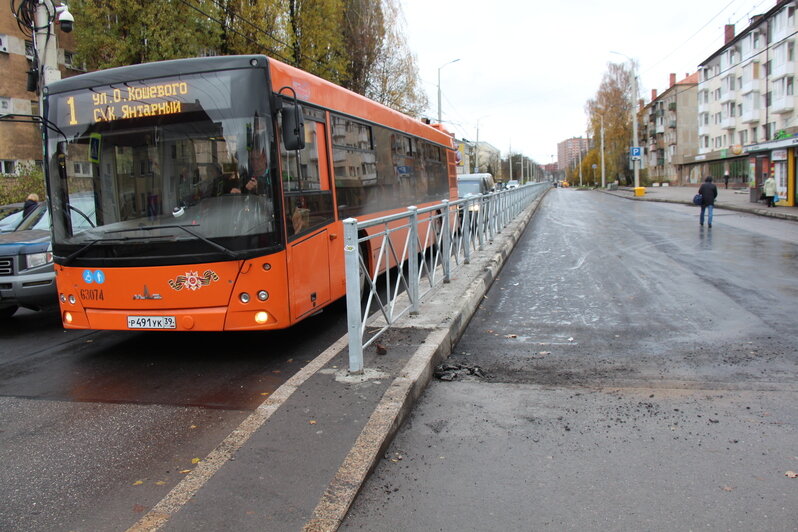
x: 570, y: 150
x: 746, y: 105
x: 669, y: 130
x: 477, y: 157
x: 21, y: 143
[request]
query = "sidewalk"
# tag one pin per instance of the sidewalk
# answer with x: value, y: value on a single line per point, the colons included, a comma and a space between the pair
x: 731, y: 199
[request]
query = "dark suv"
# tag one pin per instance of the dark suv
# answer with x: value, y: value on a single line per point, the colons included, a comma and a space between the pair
x: 27, y: 278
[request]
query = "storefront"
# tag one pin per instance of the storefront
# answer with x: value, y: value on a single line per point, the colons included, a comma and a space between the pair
x: 774, y: 158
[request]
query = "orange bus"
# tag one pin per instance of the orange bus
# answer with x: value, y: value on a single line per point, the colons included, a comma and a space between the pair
x: 207, y: 194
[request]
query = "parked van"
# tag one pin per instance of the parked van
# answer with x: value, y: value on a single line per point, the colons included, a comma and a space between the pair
x: 474, y: 184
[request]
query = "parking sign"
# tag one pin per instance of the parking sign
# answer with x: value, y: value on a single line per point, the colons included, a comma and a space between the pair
x: 636, y: 152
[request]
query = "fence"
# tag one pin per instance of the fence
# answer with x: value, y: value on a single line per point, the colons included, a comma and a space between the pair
x: 382, y: 285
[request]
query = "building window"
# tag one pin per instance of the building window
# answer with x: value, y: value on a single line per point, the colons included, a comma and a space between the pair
x: 5, y: 105
x: 743, y: 136
x: 29, y: 51
x: 7, y: 167
x: 3, y: 43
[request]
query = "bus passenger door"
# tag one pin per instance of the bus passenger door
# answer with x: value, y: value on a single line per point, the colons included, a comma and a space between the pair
x: 309, y: 212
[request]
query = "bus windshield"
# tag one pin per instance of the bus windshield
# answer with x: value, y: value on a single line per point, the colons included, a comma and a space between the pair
x: 172, y: 170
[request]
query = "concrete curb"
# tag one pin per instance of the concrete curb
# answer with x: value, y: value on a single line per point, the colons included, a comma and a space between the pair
x: 407, y: 387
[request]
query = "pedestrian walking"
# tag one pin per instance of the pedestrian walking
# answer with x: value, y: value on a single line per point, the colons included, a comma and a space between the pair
x: 708, y: 192
x: 726, y: 179
x: 769, y: 187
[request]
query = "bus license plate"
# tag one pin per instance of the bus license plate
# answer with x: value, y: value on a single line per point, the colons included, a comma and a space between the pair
x: 151, y: 322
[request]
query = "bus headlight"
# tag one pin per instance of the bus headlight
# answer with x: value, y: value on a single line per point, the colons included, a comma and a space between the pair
x: 261, y: 317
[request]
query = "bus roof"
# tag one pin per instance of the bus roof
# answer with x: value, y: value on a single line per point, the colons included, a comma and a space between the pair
x: 308, y: 87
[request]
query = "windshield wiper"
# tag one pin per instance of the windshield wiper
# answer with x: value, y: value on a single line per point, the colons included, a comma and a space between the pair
x: 227, y: 251
x: 79, y: 252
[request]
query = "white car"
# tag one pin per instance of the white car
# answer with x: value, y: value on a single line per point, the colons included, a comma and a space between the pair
x: 513, y: 183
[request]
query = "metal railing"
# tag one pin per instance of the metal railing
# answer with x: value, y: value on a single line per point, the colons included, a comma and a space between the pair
x: 384, y: 285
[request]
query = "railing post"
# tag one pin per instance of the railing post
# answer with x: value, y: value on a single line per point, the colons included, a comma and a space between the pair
x: 482, y: 221
x: 353, y: 316
x: 466, y: 230
x: 412, y: 260
x: 445, y: 242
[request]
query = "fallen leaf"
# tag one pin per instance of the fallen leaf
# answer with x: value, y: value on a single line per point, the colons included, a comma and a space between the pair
x: 160, y: 483
x: 138, y: 483
x: 186, y: 471
x: 264, y: 393
x: 196, y: 460
x: 381, y: 349
x: 312, y: 421
x: 193, y: 427
x: 728, y: 488
x: 791, y: 474
x: 138, y: 508
x: 276, y: 371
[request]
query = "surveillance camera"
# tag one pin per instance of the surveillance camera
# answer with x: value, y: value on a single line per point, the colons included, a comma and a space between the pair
x: 65, y: 18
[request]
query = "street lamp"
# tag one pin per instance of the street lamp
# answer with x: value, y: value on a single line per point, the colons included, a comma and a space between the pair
x: 439, y: 86
x: 635, y: 165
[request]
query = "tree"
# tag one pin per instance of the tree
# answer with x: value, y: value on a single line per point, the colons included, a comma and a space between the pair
x: 613, y: 103
x: 254, y: 27
x: 124, y: 32
x: 364, y: 39
x: 394, y: 78
x: 316, y: 41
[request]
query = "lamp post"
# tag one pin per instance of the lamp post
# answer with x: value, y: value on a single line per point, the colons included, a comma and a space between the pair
x: 439, y: 86
x: 635, y: 164
x: 603, y: 181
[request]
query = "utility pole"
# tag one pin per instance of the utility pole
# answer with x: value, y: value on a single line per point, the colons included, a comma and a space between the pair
x: 603, y: 182
x: 635, y: 162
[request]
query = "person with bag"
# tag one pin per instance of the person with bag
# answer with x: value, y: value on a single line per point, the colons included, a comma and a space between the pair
x: 769, y: 188
x: 708, y: 192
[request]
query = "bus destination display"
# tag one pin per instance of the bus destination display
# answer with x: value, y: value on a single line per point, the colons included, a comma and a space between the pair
x: 111, y: 103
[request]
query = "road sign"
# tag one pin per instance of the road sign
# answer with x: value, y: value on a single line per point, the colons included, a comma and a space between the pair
x: 636, y: 152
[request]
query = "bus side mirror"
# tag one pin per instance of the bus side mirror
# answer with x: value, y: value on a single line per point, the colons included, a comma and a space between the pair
x: 293, y: 127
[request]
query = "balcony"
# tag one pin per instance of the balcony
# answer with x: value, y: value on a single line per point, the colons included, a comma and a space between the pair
x: 672, y: 124
x: 785, y: 104
x: 672, y: 106
x: 661, y: 128
x: 784, y: 69
x: 728, y: 123
x: 750, y: 116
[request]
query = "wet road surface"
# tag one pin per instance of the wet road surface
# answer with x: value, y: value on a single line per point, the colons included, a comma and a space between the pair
x: 96, y: 427
x: 641, y: 375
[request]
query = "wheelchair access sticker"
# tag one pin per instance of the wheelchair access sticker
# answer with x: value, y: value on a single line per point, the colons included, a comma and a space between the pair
x: 96, y: 276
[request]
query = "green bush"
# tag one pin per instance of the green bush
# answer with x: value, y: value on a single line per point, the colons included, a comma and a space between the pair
x: 15, y: 188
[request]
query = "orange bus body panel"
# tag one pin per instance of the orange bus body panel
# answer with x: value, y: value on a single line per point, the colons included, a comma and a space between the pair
x: 201, y: 297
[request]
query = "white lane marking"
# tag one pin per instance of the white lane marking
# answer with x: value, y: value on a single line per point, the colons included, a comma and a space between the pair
x: 160, y: 514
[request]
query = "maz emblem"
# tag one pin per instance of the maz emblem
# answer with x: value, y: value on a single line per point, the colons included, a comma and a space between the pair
x: 146, y: 295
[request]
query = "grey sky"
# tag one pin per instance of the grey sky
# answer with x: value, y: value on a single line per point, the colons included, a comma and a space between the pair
x: 527, y: 68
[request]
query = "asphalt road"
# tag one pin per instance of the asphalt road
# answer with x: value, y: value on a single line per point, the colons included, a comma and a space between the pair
x: 96, y: 427
x: 641, y: 375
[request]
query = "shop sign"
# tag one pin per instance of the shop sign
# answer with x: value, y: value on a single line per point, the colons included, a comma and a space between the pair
x: 778, y: 155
